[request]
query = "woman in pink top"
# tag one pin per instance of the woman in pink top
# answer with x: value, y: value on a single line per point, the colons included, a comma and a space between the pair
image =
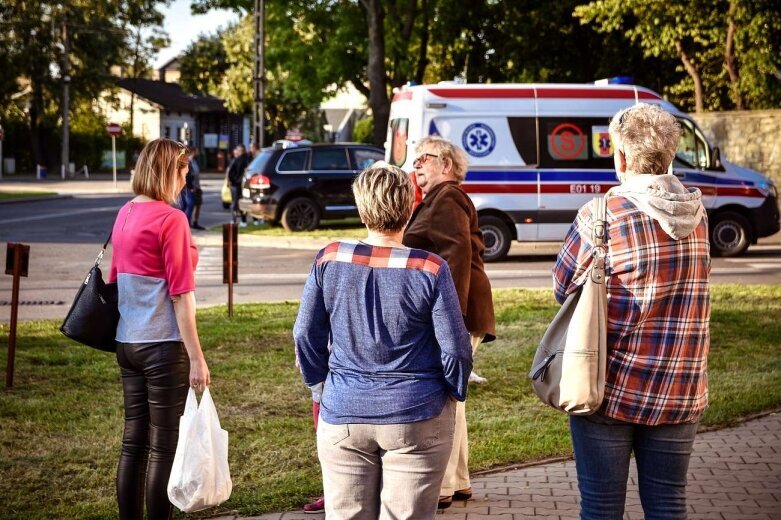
x: 158, y: 350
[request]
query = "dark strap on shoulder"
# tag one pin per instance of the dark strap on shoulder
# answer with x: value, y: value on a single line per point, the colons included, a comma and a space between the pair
x: 103, y: 250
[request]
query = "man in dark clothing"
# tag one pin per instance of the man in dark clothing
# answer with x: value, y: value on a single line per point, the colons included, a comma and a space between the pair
x: 235, y: 174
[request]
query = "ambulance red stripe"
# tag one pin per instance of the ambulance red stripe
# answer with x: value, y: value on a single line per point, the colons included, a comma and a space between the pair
x: 542, y: 93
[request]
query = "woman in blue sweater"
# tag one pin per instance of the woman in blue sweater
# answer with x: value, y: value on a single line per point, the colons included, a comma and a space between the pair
x: 380, y: 334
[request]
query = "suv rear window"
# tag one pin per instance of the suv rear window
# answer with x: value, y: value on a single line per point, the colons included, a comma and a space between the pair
x: 330, y: 159
x: 259, y: 163
x: 293, y: 161
x: 363, y: 158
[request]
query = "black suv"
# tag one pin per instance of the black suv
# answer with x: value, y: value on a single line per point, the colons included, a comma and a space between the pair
x: 298, y: 185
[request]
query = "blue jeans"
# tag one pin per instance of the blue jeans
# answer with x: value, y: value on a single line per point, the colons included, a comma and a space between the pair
x: 188, y: 204
x: 237, y: 213
x: 602, y: 450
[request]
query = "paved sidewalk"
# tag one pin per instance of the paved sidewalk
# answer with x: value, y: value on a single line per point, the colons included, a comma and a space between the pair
x: 734, y: 474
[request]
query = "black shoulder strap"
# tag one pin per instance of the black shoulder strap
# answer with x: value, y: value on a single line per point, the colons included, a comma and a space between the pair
x: 102, y: 251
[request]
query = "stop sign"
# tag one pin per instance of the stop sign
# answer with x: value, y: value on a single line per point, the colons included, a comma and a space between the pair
x: 114, y: 129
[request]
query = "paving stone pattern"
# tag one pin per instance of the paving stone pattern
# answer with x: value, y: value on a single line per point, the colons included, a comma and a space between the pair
x: 734, y: 474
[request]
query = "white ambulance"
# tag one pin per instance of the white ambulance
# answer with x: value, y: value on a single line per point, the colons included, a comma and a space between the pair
x: 537, y: 152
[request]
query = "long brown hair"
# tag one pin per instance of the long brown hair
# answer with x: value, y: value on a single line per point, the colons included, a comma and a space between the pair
x: 157, y: 170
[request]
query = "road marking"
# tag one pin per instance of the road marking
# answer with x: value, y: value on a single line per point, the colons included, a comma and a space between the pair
x: 58, y: 215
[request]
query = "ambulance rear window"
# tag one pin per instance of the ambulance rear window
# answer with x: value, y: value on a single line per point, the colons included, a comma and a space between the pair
x: 398, y: 155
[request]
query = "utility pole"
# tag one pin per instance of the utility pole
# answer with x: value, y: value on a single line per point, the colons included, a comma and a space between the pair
x: 66, y: 79
x: 260, y: 70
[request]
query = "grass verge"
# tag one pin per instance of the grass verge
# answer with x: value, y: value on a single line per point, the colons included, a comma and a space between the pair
x: 60, y: 426
x: 328, y: 229
x: 6, y: 195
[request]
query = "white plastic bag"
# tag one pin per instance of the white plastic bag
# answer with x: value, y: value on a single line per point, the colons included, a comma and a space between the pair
x: 200, y: 476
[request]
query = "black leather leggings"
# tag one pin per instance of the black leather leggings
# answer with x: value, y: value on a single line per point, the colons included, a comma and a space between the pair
x: 155, y: 380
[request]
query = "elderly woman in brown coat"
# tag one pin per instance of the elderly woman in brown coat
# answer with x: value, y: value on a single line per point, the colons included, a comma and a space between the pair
x: 445, y: 223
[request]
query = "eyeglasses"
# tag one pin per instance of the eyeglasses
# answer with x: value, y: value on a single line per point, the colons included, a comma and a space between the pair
x: 422, y: 159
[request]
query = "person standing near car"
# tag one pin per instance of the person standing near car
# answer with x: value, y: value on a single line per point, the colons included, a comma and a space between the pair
x: 658, y: 327
x: 445, y: 223
x: 158, y: 350
x: 194, y: 183
x: 235, y: 175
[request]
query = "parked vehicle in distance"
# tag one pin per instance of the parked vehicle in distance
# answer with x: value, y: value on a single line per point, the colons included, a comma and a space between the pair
x: 298, y: 185
x: 538, y: 152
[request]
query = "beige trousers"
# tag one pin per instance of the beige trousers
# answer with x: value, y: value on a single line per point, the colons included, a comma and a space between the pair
x: 457, y: 473
x: 385, y: 471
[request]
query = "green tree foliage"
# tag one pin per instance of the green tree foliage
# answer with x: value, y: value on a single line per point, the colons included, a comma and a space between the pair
x: 728, y: 49
x: 203, y: 65
x: 102, y: 34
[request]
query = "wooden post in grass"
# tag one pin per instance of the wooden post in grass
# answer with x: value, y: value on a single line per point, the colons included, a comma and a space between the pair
x: 17, y: 258
x: 230, y: 260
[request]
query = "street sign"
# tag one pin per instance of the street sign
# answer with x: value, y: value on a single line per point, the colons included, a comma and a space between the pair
x: 113, y: 129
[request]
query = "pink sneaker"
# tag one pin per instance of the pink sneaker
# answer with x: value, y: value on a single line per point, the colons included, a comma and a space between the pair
x: 318, y: 506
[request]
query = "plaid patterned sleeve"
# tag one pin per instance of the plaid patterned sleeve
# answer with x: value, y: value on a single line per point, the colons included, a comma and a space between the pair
x: 574, y: 257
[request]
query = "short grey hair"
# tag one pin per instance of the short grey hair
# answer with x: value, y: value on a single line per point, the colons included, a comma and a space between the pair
x: 648, y: 137
x: 447, y: 150
x: 384, y: 195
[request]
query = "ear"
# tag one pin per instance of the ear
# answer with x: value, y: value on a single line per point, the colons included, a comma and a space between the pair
x: 447, y: 167
x: 621, y: 161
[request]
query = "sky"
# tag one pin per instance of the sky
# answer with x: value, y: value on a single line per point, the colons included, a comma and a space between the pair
x: 183, y: 27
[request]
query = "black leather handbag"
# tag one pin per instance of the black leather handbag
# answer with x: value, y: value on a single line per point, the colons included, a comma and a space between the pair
x: 93, y: 317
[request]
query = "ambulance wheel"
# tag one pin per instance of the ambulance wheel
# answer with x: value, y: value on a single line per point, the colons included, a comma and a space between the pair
x: 729, y: 234
x: 497, y: 238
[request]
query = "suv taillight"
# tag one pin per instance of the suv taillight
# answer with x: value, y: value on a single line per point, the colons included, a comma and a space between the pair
x: 259, y: 182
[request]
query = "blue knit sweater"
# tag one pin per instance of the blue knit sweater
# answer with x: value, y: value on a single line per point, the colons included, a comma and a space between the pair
x: 382, y: 327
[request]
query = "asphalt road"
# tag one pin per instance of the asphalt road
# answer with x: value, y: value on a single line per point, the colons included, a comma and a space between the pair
x: 65, y: 236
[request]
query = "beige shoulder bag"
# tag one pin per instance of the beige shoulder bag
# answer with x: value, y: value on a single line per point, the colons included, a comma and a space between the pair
x: 568, y: 371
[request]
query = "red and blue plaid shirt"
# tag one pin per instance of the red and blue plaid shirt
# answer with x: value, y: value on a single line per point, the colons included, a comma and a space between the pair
x: 658, y: 313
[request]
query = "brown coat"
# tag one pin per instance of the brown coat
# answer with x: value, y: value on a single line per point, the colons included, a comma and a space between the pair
x: 445, y: 223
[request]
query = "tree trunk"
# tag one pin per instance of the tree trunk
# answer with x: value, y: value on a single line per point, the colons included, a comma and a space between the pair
x: 695, y: 74
x: 378, y: 95
x: 423, y: 52
x: 729, y: 57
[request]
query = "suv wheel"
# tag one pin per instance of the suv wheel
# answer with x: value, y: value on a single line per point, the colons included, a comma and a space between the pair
x: 729, y: 234
x: 300, y: 214
x: 496, y: 236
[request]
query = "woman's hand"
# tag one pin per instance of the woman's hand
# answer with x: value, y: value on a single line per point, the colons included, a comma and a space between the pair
x: 200, y: 377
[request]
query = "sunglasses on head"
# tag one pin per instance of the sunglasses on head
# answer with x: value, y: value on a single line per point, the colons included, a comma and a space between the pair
x: 181, y: 159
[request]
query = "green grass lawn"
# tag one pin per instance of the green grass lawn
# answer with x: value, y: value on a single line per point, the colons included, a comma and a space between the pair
x: 330, y: 229
x: 4, y: 195
x: 60, y: 425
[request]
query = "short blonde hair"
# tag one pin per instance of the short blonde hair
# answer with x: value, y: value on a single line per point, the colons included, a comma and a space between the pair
x: 157, y: 170
x: 648, y: 137
x: 384, y: 195
x: 447, y: 150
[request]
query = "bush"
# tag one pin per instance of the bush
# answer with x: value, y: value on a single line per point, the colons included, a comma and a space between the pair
x: 364, y: 131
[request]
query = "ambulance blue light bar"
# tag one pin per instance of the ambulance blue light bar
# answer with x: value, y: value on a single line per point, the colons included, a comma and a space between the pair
x: 616, y: 80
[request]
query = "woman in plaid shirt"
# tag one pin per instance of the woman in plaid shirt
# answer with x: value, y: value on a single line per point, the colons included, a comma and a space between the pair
x: 656, y: 385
